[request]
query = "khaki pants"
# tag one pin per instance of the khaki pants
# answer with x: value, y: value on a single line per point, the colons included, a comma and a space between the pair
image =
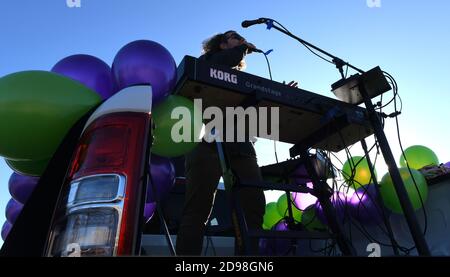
x: 203, y: 172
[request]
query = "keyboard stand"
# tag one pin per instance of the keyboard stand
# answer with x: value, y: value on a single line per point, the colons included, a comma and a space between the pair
x: 231, y: 182
x: 243, y: 234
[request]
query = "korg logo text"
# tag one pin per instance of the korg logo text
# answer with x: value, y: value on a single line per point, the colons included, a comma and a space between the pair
x: 223, y: 76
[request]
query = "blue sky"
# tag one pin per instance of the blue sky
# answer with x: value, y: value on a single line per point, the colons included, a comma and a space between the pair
x: 409, y: 39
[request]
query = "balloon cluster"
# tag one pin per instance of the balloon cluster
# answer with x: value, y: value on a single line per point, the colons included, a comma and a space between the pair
x: 20, y: 188
x: 276, y: 211
x: 339, y: 202
x: 38, y: 108
x: 364, y: 204
x: 162, y: 174
x: 275, y: 219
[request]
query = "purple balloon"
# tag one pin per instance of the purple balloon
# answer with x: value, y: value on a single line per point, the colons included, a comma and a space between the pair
x: 300, y: 175
x: 21, y: 186
x: 88, y: 70
x: 145, y: 62
x: 12, y: 210
x: 364, y: 207
x: 149, y: 210
x: 339, y: 202
x: 447, y: 165
x: 6, y: 228
x: 275, y: 246
x: 163, y: 176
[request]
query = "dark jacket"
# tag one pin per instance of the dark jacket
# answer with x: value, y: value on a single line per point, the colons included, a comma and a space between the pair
x: 231, y: 57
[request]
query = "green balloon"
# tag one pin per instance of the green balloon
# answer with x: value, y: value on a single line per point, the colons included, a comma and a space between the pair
x: 271, y: 216
x: 188, y: 125
x: 283, y: 209
x: 30, y: 168
x: 37, y: 109
x: 419, y: 156
x: 389, y: 195
x: 361, y: 173
x: 310, y: 220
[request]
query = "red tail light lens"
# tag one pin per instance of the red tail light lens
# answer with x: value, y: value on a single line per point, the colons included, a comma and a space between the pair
x: 104, y: 193
x: 112, y: 143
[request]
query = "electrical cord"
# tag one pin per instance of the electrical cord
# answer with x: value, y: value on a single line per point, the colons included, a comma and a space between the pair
x: 270, y: 75
x: 268, y: 66
x: 307, y: 47
x: 277, y: 161
x: 395, y: 115
x: 407, y: 164
x: 404, y: 249
x: 380, y: 107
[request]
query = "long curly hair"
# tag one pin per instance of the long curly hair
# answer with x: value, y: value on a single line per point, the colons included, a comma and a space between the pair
x: 211, y: 45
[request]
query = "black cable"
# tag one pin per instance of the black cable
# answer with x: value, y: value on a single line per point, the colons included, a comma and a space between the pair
x: 312, y: 51
x: 270, y: 75
x: 365, y: 233
x: 397, y: 112
x: 332, y: 244
x: 307, y: 47
x: 370, y: 238
x: 409, y: 169
x: 347, y: 152
x: 349, y: 157
x: 379, y: 210
x: 373, y: 200
x: 268, y: 66
x: 394, y: 90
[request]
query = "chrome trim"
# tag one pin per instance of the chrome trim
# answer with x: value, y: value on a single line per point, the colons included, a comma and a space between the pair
x: 120, y: 195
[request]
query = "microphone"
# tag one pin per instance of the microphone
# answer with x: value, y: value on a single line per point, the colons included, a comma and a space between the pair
x: 253, y: 49
x: 248, y: 23
x: 256, y: 50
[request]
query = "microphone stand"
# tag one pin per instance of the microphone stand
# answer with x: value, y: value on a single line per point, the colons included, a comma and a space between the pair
x: 337, y: 61
x: 414, y: 227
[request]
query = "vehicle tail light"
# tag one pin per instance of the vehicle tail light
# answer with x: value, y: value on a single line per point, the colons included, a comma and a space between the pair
x: 99, y: 208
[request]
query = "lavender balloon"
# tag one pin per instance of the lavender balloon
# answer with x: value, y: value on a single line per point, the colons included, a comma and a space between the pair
x: 6, y: 228
x: 21, y: 186
x: 364, y: 207
x: 88, y: 70
x: 304, y: 200
x: 12, y: 210
x: 163, y: 177
x: 339, y: 202
x: 145, y: 62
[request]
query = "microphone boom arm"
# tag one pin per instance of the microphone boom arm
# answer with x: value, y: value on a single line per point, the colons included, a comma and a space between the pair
x: 337, y: 61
